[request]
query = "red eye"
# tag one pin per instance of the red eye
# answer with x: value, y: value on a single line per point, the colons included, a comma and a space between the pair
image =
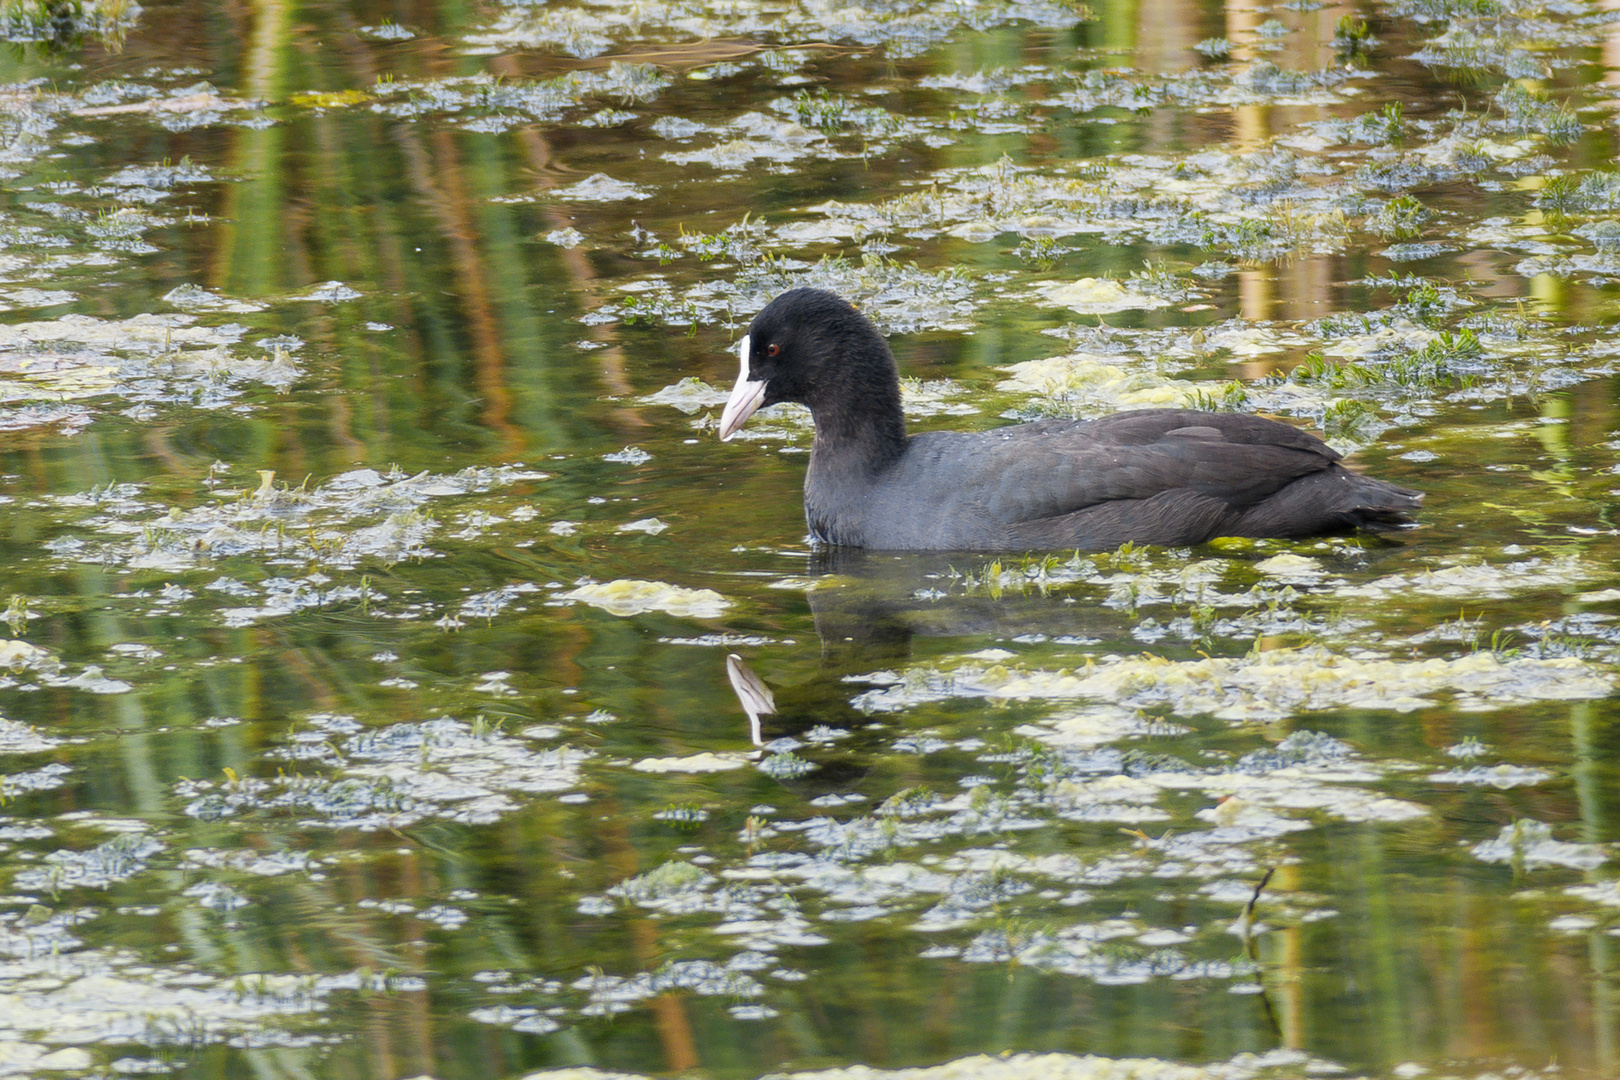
x: 772, y: 349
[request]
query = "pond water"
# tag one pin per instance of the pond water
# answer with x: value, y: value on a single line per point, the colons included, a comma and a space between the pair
x: 401, y: 679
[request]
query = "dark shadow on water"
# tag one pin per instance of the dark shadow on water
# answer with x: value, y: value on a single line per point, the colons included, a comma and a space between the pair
x: 873, y: 610
x: 875, y: 604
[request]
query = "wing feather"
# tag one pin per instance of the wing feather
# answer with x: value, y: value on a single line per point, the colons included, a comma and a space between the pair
x: 1037, y: 471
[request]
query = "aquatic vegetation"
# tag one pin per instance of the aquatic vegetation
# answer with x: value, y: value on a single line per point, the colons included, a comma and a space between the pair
x: 392, y: 777
x: 319, y: 525
x: 1399, y: 218
x: 1529, y: 111
x: 758, y: 140
x: 1263, y: 686
x: 493, y: 105
x: 1098, y: 296
x: 636, y: 597
x: 1441, y: 359
x: 61, y: 23
x: 904, y: 29
x: 600, y: 188
x: 897, y: 296
x: 1529, y: 844
x: 292, y: 733
x: 1353, y: 39
x: 1581, y: 193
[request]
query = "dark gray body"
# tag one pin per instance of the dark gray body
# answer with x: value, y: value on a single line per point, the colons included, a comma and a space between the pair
x: 1160, y: 476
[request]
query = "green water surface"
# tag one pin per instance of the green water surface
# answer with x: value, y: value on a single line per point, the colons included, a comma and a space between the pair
x: 370, y: 565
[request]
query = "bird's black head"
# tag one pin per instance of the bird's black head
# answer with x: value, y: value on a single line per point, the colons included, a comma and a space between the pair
x: 810, y: 346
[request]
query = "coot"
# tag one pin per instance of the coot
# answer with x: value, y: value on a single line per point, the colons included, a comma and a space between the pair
x: 1156, y: 476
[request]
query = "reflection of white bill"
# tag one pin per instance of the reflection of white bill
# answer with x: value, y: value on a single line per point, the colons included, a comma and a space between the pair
x: 752, y: 693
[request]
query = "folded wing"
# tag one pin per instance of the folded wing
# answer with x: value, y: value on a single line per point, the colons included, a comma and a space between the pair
x: 1154, y: 476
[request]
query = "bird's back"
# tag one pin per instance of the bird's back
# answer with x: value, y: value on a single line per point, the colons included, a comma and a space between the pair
x: 1157, y: 476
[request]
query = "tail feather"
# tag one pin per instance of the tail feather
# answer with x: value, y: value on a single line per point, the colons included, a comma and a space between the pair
x: 1332, y: 500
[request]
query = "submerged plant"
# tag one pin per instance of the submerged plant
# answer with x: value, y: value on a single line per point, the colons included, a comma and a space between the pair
x: 1332, y: 374
x: 1437, y: 361
x: 820, y: 110
x: 1439, y: 11
x: 1230, y: 396
x: 16, y: 615
x: 1286, y: 230
x: 1424, y: 303
x: 1532, y: 111
x: 671, y: 878
x: 786, y: 766
x: 62, y: 23
x: 1399, y: 218
x: 1443, y: 359
x: 1351, y: 35
x: 908, y: 801
x: 1349, y: 420
x: 683, y: 816
x: 1387, y: 126
x: 1570, y: 193
x: 1043, y: 251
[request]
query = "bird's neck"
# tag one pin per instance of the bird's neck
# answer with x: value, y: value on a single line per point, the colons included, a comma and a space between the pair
x: 869, y: 436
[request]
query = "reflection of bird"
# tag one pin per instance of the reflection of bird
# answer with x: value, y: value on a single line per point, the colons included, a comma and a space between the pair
x: 820, y: 705
x: 1159, y: 476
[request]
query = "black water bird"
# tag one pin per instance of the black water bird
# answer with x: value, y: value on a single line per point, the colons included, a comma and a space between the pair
x: 1156, y: 476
